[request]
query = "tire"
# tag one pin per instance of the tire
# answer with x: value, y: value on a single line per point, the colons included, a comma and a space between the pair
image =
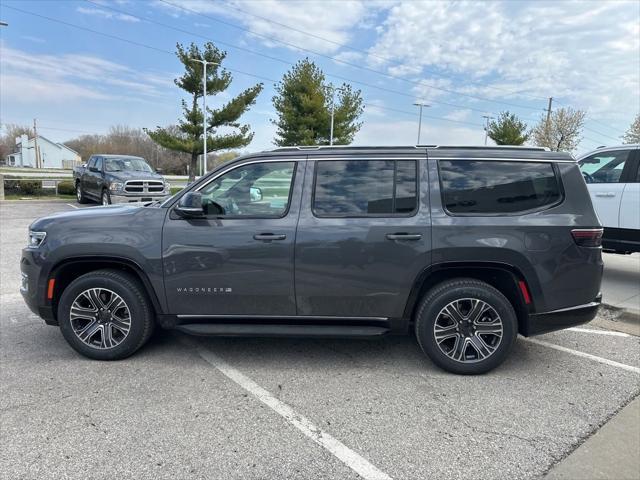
x: 80, y: 194
x: 105, y: 197
x: 468, y: 342
x: 88, y: 321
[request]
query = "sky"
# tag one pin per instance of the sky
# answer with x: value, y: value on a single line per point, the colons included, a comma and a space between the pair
x: 80, y: 66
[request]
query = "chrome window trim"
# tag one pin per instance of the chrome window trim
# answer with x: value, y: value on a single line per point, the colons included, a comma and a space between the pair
x: 502, y: 159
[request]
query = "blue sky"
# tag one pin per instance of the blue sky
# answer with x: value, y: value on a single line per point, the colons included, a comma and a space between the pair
x: 466, y: 59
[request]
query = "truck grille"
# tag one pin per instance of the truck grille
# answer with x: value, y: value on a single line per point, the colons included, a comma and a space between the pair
x: 144, y: 186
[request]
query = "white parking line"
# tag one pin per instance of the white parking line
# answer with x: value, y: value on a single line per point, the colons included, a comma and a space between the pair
x: 350, y: 458
x: 595, y: 358
x: 599, y: 332
x: 73, y: 206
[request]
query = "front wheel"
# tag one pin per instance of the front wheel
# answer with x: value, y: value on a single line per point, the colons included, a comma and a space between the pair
x: 105, y: 315
x: 106, y: 198
x: 79, y: 193
x: 466, y: 326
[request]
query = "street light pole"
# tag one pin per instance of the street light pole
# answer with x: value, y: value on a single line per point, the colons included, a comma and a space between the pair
x: 486, y: 126
x: 333, y: 102
x: 203, y: 167
x: 420, y: 104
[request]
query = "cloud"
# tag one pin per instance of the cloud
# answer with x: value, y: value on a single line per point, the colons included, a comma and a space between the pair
x: 97, y: 12
x: 316, y: 25
x: 587, y: 54
x: 29, y: 77
x: 405, y: 133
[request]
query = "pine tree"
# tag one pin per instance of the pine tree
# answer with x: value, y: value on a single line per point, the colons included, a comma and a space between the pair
x: 303, y: 103
x: 508, y: 129
x: 188, y: 137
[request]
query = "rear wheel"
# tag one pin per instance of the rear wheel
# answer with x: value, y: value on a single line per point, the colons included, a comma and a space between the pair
x: 79, y: 193
x: 466, y: 326
x: 105, y: 315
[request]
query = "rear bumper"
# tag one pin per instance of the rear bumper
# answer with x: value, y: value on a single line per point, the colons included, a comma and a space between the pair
x: 563, y: 318
x: 136, y: 198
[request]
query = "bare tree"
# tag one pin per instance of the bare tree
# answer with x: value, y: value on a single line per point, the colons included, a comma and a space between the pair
x: 562, y: 132
x: 633, y: 134
x: 10, y: 131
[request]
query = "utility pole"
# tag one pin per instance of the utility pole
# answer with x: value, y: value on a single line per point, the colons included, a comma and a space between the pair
x: 486, y: 127
x: 333, y: 102
x: 420, y: 104
x: 36, y: 151
x: 204, y: 109
x: 549, y: 112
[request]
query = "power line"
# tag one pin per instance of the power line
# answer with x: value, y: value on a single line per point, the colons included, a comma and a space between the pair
x: 329, y: 57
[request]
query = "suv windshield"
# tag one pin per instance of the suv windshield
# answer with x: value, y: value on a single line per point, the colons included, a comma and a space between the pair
x: 127, y: 164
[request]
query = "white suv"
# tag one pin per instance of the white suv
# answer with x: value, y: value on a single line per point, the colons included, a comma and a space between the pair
x: 613, y: 180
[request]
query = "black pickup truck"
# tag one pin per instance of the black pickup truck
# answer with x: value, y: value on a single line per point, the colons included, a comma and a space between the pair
x: 118, y: 179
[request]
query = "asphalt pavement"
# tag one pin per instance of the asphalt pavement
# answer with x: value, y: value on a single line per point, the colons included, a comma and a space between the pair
x: 209, y: 408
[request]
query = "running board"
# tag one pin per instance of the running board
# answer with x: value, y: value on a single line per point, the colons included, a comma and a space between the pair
x: 253, y: 330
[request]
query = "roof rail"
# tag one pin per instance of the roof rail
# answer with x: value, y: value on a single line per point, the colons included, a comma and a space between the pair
x: 488, y: 147
x: 343, y: 147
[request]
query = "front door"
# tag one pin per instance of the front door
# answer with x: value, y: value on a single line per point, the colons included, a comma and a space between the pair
x: 238, y: 260
x: 364, y: 235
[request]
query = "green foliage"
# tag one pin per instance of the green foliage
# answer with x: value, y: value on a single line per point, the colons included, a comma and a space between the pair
x: 303, y: 103
x: 508, y: 129
x: 187, y: 137
x: 66, y: 188
x: 175, y: 190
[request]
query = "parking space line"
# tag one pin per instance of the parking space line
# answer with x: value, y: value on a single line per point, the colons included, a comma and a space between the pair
x: 595, y: 358
x: 347, y: 456
x: 599, y: 332
x: 73, y: 206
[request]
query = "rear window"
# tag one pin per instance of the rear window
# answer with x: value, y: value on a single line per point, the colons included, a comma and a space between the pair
x: 494, y: 187
x: 360, y: 188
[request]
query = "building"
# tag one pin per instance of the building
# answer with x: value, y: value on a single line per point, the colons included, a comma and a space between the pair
x: 52, y: 154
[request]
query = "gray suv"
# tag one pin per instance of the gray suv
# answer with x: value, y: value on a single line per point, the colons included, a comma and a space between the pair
x: 464, y: 246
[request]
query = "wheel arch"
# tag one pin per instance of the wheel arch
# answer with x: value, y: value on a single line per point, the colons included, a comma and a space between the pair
x: 69, y: 269
x: 501, y: 276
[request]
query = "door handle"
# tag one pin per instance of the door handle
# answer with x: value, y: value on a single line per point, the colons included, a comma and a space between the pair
x: 403, y: 236
x: 269, y: 236
x: 605, y: 194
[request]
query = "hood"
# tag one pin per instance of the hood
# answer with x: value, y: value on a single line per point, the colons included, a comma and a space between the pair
x: 86, y: 216
x: 133, y: 175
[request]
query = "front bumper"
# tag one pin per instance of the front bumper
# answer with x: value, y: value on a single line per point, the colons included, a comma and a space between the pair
x: 33, y: 289
x: 136, y: 198
x: 564, y: 318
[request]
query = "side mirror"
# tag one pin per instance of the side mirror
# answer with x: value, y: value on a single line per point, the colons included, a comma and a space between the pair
x: 190, y: 205
x: 255, y: 194
x: 93, y: 169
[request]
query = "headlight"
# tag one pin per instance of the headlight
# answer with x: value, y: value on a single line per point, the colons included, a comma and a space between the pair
x: 36, y: 239
x: 116, y: 186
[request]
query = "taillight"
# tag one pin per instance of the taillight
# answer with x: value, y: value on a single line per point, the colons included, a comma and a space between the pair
x: 587, y: 237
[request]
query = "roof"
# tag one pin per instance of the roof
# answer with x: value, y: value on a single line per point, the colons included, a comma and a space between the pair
x: 115, y: 155
x: 433, y: 151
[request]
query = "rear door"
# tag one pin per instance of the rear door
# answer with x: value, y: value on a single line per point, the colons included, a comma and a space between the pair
x: 603, y: 172
x: 363, y: 236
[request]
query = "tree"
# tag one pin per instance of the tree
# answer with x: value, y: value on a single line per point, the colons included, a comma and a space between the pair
x: 508, y: 130
x: 11, y: 131
x: 562, y: 131
x: 303, y: 103
x: 633, y: 134
x: 188, y: 137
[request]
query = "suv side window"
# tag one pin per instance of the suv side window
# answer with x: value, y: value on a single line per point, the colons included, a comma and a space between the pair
x: 257, y: 190
x: 91, y: 162
x: 98, y: 163
x: 605, y: 167
x: 498, y: 187
x: 361, y: 188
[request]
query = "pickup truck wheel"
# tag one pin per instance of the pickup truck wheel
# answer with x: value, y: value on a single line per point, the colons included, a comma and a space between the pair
x: 105, y: 315
x: 106, y: 198
x: 466, y: 326
x: 79, y: 193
